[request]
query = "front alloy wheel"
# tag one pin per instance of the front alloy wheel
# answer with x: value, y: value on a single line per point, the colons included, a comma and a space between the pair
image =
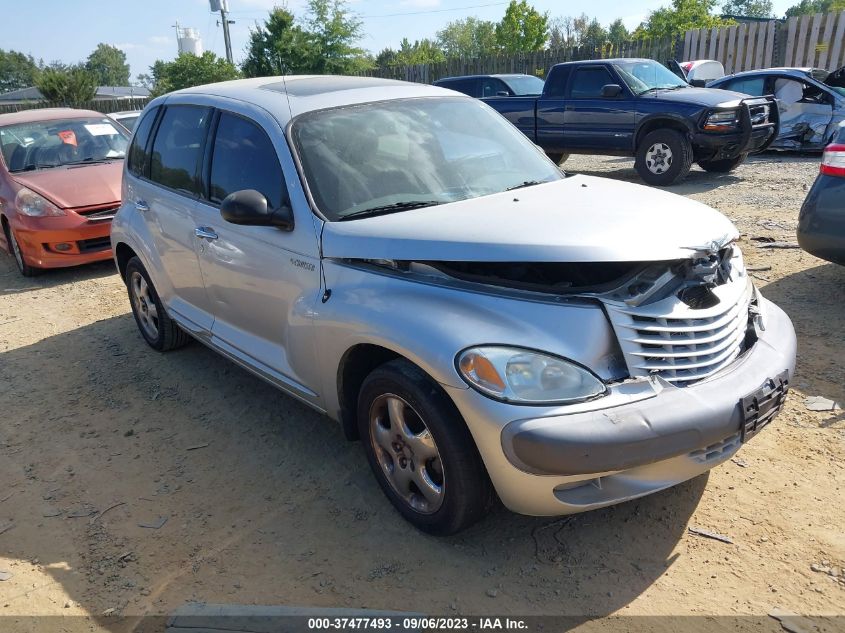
x: 407, y: 453
x: 420, y: 449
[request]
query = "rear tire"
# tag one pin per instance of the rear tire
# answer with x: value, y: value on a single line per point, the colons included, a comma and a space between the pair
x: 158, y: 329
x: 558, y: 159
x: 663, y: 157
x: 421, y: 451
x: 722, y: 166
x: 14, y: 248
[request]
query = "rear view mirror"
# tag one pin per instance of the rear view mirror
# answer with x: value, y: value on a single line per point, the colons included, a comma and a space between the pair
x: 609, y: 91
x: 249, y: 207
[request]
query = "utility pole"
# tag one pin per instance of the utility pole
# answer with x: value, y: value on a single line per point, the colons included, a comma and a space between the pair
x: 223, y: 7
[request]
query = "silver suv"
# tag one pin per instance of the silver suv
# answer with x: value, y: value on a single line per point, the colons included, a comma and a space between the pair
x: 403, y: 259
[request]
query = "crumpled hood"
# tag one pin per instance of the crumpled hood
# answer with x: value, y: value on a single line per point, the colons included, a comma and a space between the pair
x: 76, y: 186
x: 579, y: 219
x: 711, y: 97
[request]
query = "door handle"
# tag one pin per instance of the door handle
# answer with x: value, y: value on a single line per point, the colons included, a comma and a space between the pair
x: 141, y: 205
x: 205, y: 232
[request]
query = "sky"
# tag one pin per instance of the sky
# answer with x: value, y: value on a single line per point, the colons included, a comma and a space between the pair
x: 68, y: 30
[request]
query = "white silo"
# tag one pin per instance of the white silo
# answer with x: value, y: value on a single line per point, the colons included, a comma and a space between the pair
x: 189, y: 41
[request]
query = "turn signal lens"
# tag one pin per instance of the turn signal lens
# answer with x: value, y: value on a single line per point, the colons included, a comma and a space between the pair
x: 517, y: 375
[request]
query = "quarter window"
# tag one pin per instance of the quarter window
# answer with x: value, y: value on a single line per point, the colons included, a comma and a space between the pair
x: 244, y: 158
x: 588, y: 82
x: 754, y: 86
x: 138, y: 154
x: 177, y: 148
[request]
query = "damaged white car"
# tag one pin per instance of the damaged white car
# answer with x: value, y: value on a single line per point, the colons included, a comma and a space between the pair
x: 811, y: 102
x: 404, y: 260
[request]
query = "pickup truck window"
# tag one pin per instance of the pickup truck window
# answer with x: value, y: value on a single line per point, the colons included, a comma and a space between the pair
x: 490, y: 87
x: 395, y: 155
x: 556, y: 83
x: 646, y: 76
x: 588, y: 81
x: 525, y: 85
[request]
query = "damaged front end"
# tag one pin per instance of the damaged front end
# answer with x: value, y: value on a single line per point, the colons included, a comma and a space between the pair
x: 682, y: 320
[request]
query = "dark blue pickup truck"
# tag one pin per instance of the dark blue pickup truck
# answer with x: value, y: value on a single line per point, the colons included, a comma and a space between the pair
x: 638, y: 107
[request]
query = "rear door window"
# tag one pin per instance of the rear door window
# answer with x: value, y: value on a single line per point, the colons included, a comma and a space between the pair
x: 244, y: 158
x: 138, y: 151
x: 177, y: 148
x: 589, y: 80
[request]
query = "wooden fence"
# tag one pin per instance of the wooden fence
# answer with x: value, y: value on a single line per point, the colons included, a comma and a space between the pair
x: 105, y: 105
x: 538, y: 63
x: 810, y: 40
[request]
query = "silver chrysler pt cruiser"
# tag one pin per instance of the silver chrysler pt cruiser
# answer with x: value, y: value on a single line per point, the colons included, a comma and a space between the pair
x: 404, y: 260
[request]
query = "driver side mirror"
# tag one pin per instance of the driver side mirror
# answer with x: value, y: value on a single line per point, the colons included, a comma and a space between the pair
x: 503, y: 93
x: 698, y: 83
x: 249, y: 207
x: 609, y: 91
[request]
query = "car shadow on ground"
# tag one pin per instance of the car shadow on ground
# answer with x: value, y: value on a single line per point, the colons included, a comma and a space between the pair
x: 696, y: 182
x: 264, y: 500
x: 813, y: 300
x: 12, y: 282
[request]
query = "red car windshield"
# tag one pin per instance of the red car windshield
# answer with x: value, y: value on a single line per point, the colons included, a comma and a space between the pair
x: 58, y: 142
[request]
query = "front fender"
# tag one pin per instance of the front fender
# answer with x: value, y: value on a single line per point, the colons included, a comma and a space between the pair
x: 429, y: 321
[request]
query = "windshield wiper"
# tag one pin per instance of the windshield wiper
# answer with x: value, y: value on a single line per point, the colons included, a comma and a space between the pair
x: 527, y: 183
x: 88, y: 161
x: 34, y: 166
x: 655, y: 88
x: 390, y: 208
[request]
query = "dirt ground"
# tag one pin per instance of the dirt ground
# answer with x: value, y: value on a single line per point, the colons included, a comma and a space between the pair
x: 264, y: 502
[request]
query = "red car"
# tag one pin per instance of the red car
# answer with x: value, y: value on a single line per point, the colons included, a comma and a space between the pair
x: 60, y: 173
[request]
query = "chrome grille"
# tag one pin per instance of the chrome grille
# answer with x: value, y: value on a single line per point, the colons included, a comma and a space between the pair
x: 678, y: 343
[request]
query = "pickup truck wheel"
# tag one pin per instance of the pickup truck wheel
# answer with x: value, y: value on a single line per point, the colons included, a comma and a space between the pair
x: 558, y: 159
x: 663, y: 157
x: 722, y: 166
x: 157, y: 328
x: 420, y: 450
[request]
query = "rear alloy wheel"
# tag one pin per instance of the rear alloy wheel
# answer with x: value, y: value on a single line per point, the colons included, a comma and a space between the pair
x: 722, y: 166
x: 157, y: 328
x: 25, y: 269
x: 663, y: 157
x: 421, y: 451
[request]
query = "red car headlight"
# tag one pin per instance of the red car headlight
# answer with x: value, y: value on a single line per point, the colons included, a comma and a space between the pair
x: 34, y: 205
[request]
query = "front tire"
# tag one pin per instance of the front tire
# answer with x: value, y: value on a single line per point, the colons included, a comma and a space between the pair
x: 722, y: 166
x: 421, y: 451
x: 158, y: 329
x: 663, y: 157
x: 25, y: 269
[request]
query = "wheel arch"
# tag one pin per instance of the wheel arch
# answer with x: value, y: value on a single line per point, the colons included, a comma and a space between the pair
x: 355, y: 365
x: 659, y: 122
x: 122, y: 254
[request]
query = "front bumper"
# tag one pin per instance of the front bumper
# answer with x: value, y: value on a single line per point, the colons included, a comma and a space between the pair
x: 750, y: 138
x: 86, y: 241
x: 663, y: 435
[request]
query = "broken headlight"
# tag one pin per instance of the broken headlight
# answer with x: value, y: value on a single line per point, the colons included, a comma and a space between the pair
x: 523, y: 376
x: 725, y: 121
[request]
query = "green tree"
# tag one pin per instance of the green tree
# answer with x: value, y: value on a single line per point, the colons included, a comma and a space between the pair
x: 617, y: 33
x: 468, y: 38
x: 190, y: 70
x: 809, y: 7
x: 681, y: 16
x: 423, y: 51
x: 73, y: 87
x: 16, y: 71
x: 595, y: 36
x: 334, y: 31
x: 278, y: 47
x: 322, y: 43
x: 108, y: 64
x: 522, y: 29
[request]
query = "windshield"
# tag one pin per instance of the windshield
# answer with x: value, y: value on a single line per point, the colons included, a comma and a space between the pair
x: 643, y: 76
x: 525, y: 85
x: 57, y: 142
x: 401, y: 154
